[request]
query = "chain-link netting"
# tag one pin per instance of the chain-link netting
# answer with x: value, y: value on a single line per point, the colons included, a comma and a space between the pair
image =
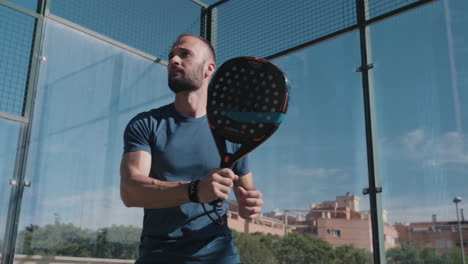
x: 28, y: 4
x: 147, y: 25
x: 16, y: 39
x: 263, y: 27
x: 380, y: 7
x: 240, y: 27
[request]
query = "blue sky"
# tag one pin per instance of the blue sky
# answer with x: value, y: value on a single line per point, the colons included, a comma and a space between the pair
x: 421, y: 89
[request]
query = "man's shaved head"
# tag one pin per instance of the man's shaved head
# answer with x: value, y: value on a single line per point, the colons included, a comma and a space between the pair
x: 211, y: 51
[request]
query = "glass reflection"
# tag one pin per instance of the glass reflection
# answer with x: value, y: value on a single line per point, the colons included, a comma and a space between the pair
x: 312, y: 171
x: 419, y: 60
x: 83, y: 103
x: 9, y: 136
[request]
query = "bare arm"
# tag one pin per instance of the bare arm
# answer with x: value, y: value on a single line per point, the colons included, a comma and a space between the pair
x: 137, y: 189
x: 246, y: 181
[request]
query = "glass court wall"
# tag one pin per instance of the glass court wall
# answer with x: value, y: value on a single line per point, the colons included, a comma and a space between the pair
x: 421, y: 88
x: 102, y: 62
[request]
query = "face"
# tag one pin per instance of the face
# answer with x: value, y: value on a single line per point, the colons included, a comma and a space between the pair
x: 188, y: 65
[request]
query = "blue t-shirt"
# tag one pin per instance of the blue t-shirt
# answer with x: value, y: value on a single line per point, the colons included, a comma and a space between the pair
x: 182, y: 149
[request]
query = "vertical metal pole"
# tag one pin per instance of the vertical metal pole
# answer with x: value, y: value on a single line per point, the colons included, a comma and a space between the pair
x: 209, y: 12
x: 460, y: 234
x: 203, y: 18
x: 203, y: 22
x: 212, y: 22
x: 378, y: 243
x: 214, y: 28
x: 19, y: 182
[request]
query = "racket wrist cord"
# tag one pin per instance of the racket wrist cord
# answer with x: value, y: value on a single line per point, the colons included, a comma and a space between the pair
x: 193, y: 196
x: 219, y: 221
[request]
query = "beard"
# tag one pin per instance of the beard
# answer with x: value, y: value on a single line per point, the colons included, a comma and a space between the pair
x: 190, y: 81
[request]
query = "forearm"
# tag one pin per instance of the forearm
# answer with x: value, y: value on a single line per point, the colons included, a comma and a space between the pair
x: 143, y: 191
x: 246, y: 181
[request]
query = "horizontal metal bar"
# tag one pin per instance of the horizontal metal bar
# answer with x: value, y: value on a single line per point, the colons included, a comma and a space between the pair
x: 313, y: 42
x: 200, y: 3
x: 13, y: 117
x: 20, y: 9
x: 218, y: 4
x: 351, y: 28
x: 106, y: 39
x: 398, y: 11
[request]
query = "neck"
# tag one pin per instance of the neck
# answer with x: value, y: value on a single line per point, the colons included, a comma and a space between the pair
x: 191, y: 104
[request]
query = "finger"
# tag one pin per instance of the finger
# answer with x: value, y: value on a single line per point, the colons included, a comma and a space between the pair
x: 249, y: 194
x: 222, y: 196
x: 250, y: 202
x: 252, y: 211
x: 253, y: 194
x: 222, y: 192
x: 241, y: 191
x: 224, y: 181
x: 228, y: 173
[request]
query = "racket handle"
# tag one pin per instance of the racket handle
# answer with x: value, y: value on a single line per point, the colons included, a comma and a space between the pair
x: 225, y: 163
x: 217, y: 203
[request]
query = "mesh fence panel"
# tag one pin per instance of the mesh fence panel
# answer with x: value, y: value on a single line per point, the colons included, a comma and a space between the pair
x: 148, y: 25
x: 380, y: 7
x: 28, y: 4
x: 258, y: 28
x: 261, y: 28
x: 16, y: 39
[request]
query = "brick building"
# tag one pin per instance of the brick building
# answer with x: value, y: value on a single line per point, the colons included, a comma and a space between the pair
x: 338, y: 222
x: 440, y: 235
x: 264, y: 224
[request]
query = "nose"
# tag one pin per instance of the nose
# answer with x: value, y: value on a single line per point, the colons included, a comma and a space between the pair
x: 175, y: 60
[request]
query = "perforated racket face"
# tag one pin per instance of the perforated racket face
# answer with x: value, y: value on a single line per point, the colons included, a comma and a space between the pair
x: 247, y: 99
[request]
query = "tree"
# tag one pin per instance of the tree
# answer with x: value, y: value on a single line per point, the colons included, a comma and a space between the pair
x: 60, y: 239
x: 295, y: 248
x: 452, y: 256
x: 351, y: 255
x: 252, y: 250
x: 303, y: 249
x: 415, y: 254
x: 26, y: 236
x: 118, y: 242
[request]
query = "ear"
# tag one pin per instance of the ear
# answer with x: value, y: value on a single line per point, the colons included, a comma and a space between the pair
x: 210, y: 69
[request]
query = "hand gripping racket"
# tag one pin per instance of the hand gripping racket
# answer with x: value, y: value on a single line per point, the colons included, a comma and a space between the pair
x: 247, y: 100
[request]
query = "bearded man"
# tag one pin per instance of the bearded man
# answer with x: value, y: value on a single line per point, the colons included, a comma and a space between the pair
x: 170, y: 167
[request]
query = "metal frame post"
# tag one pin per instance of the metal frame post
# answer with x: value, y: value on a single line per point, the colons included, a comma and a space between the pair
x: 456, y: 200
x: 374, y: 190
x: 208, y: 21
x: 19, y: 182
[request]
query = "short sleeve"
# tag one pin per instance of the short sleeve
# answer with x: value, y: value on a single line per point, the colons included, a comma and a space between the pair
x: 242, y: 167
x: 137, y: 135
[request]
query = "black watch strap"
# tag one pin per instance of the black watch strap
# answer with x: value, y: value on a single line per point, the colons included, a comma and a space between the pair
x: 193, y: 191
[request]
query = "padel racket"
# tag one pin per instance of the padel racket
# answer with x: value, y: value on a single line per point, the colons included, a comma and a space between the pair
x: 247, y: 100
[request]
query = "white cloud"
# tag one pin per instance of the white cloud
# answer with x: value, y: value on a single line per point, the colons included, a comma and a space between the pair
x: 296, y: 170
x: 449, y: 148
x: 413, y: 141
